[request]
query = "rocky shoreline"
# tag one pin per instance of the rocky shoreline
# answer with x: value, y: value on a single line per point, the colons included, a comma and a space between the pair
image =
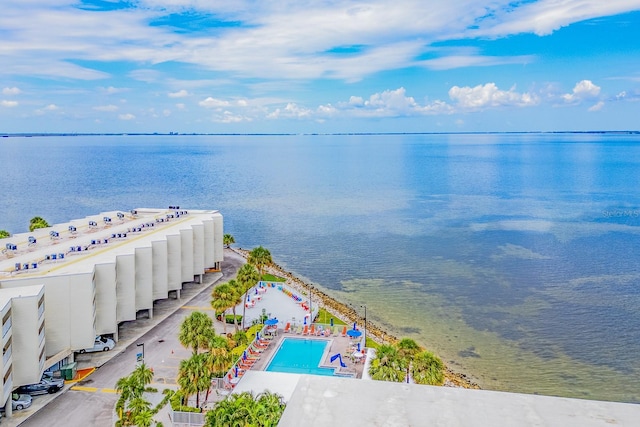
x: 348, y: 314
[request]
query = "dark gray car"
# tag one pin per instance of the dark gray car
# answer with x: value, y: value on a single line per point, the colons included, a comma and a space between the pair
x: 46, y: 385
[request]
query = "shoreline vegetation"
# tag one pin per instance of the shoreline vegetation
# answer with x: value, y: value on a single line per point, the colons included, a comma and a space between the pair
x: 349, y: 315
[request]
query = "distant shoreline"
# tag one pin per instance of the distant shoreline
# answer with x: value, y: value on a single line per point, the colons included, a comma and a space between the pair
x: 524, y: 132
x: 348, y: 314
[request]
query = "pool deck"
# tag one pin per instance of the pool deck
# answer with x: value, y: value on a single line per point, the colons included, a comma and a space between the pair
x: 338, y: 345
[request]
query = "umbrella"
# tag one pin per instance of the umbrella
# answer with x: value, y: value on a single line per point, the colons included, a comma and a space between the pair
x: 244, y: 355
x: 305, y: 320
x: 358, y: 346
x: 354, y: 326
x: 271, y: 322
x: 236, y: 370
x: 353, y: 333
x: 331, y: 321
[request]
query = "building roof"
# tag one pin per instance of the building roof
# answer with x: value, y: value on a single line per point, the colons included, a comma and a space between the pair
x: 78, y: 246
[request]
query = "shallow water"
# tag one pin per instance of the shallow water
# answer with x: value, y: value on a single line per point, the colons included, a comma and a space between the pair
x: 512, y: 256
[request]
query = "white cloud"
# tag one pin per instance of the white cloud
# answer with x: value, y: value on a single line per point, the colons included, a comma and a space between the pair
x: 51, y: 107
x: 181, y: 106
x: 109, y: 107
x: 584, y: 89
x: 229, y: 117
x: 112, y: 90
x: 213, y: 103
x: 179, y: 94
x: 597, y: 106
x: 292, y: 110
x: 448, y: 62
x: 127, y: 116
x: 389, y: 103
x: 11, y: 91
x: 546, y: 16
x: 8, y: 104
x: 488, y: 95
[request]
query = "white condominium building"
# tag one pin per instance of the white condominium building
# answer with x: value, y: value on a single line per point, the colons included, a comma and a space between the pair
x: 95, y: 273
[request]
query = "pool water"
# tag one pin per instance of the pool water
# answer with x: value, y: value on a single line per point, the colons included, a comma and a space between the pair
x: 300, y: 356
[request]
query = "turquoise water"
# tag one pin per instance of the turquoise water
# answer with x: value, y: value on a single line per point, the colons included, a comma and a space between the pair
x: 300, y: 356
x: 513, y: 257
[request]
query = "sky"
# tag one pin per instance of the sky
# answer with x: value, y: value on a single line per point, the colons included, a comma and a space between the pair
x: 323, y: 66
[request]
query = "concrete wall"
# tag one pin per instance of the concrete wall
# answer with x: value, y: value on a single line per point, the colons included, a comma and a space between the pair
x: 106, y: 299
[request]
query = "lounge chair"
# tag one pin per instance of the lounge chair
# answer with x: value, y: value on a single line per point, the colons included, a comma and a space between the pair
x: 305, y: 331
x: 312, y: 331
x: 299, y: 330
x: 287, y: 328
x: 344, y: 331
x: 336, y: 331
x: 327, y: 332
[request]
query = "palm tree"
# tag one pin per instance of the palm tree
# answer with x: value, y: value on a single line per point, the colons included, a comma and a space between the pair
x: 131, y: 389
x: 217, y: 359
x: 37, y: 222
x: 192, y: 377
x: 246, y: 410
x: 388, y: 364
x: 227, y: 296
x: 407, y: 349
x: 247, y: 278
x: 222, y: 299
x: 273, y: 405
x: 260, y: 257
x: 426, y: 368
x: 228, y: 239
x: 4, y: 234
x: 196, y: 331
x: 142, y: 375
x: 143, y: 418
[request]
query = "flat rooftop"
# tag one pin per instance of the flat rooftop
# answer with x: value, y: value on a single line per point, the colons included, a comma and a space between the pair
x: 78, y: 245
x: 324, y: 401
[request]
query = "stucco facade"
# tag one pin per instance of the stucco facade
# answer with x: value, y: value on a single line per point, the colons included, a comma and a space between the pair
x: 109, y: 268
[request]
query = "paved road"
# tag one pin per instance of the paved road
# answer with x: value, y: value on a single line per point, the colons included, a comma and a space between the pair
x: 91, y: 402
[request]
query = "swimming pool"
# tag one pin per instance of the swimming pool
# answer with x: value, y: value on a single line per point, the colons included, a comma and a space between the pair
x: 300, y: 356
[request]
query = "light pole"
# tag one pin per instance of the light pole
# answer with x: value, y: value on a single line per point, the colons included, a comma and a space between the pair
x: 365, y: 324
x: 140, y: 356
x: 310, y: 308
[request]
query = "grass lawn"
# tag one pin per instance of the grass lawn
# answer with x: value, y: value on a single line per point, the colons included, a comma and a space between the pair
x: 272, y: 278
x: 325, y: 317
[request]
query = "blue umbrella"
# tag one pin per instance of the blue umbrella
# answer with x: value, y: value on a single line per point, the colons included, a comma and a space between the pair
x: 354, y: 326
x: 271, y: 322
x: 236, y: 370
x: 331, y: 321
x: 305, y: 320
x: 353, y: 333
x: 244, y: 355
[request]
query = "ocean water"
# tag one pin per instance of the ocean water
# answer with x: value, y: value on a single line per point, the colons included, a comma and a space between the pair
x: 512, y: 256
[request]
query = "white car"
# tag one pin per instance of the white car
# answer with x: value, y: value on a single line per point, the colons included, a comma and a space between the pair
x: 100, y: 344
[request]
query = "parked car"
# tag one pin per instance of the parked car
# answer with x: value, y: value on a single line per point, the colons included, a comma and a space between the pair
x: 46, y: 385
x: 19, y: 401
x: 100, y: 344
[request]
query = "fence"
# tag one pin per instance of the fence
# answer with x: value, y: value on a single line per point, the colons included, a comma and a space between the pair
x: 187, y: 419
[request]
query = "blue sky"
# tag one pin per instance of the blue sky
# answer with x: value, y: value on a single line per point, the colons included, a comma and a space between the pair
x: 210, y: 66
